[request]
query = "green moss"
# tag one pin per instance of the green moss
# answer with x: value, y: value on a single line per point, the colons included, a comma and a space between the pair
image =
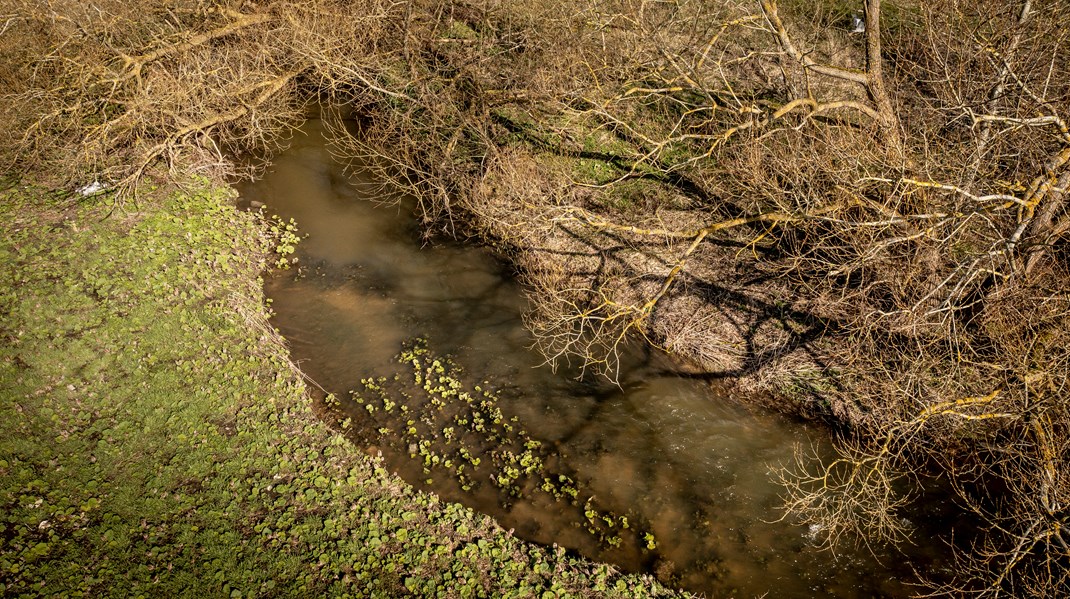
x: 459, y: 30
x: 156, y: 440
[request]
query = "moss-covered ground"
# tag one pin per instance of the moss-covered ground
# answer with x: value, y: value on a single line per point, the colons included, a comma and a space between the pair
x: 156, y: 441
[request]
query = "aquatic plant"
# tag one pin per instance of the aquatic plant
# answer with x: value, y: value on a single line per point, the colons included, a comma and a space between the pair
x: 452, y: 419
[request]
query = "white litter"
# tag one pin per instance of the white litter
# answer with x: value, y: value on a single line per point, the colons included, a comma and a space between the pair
x: 858, y: 25
x: 92, y: 188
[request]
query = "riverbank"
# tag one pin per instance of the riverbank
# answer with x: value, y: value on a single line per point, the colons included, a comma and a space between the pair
x: 156, y: 440
x: 867, y: 226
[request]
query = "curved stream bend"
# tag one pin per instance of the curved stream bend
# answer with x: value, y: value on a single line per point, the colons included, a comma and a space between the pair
x: 661, y: 451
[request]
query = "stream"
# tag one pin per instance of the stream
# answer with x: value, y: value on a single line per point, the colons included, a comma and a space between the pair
x: 661, y: 474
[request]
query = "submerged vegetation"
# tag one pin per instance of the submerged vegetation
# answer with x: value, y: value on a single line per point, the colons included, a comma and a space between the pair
x: 446, y: 424
x: 867, y: 226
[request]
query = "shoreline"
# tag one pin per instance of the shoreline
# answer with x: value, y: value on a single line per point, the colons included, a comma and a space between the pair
x: 158, y: 441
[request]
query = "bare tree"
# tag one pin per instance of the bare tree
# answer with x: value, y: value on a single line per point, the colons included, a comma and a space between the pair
x: 883, y: 214
x: 921, y: 210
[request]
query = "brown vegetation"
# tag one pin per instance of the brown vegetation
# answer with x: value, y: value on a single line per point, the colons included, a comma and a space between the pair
x: 869, y: 227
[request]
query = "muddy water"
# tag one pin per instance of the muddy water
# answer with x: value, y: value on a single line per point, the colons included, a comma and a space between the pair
x: 664, y: 452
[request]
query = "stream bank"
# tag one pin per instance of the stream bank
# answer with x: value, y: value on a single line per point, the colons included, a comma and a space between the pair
x: 676, y: 150
x: 157, y: 441
x: 421, y: 348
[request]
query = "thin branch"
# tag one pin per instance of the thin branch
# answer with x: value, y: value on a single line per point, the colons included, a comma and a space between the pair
x: 769, y: 7
x: 132, y: 65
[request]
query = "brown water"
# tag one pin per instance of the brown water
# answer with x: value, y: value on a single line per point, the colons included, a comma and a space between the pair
x: 668, y: 453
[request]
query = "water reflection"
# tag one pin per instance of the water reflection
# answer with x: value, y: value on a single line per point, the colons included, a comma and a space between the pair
x: 692, y: 467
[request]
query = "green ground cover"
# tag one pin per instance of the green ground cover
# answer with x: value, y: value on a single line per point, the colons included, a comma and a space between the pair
x: 156, y: 441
